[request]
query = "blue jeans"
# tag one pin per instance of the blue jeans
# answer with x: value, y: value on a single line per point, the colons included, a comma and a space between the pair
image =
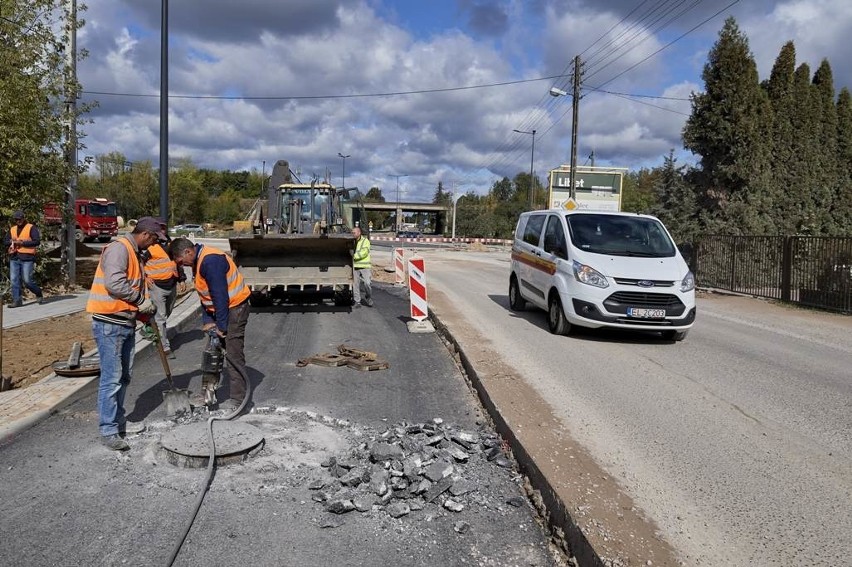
x: 22, y: 270
x: 116, y: 347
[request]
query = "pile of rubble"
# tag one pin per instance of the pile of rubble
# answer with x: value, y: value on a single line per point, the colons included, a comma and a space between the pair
x: 408, y: 468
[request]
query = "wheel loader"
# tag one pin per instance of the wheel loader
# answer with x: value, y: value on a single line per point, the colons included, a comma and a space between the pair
x: 300, y: 249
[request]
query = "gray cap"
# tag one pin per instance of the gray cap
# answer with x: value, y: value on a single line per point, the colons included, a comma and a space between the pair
x: 152, y: 224
x: 18, y: 214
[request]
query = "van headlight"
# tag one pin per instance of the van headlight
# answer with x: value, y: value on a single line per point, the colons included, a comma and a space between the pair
x: 688, y: 282
x: 588, y: 275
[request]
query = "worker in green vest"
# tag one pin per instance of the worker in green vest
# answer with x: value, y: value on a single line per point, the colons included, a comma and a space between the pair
x: 363, y: 269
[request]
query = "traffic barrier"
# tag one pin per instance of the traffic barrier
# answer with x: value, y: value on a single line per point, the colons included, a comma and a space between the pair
x: 417, y: 288
x: 399, y: 265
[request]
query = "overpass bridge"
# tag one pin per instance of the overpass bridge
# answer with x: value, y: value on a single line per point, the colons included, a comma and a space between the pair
x: 399, y: 209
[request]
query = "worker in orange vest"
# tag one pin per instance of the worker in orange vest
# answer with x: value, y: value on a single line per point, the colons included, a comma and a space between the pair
x: 117, y: 295
x: 224, y: 303
x: 163, y: 279
x: 21, y: 242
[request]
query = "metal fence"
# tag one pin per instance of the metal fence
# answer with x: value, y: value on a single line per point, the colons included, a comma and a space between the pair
x: 809, y: 270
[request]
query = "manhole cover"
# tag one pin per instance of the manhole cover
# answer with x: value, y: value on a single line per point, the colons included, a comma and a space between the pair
x: 189, y: 446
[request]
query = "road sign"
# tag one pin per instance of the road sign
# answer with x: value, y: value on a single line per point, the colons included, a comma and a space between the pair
x: 597, y: 188
x: 417, y: 288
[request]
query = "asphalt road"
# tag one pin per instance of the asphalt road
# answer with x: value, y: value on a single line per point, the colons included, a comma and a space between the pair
x: 737, y: 442
x: 65, y: 500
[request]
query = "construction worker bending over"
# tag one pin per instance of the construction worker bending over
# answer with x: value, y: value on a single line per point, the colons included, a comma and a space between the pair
x: 225, y: 307
x: 117, y: 294
x: 162, y: 276
x: 363, y: 269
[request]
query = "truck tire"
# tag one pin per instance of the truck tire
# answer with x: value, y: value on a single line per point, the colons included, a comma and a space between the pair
x: 516, y: 302
x: 556, y: 321
x: 79, y: 236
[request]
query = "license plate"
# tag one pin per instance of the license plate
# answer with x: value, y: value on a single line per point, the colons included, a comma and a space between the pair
x: 646, y: 313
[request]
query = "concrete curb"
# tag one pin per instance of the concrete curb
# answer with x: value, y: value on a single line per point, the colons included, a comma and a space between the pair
x: 557, y: 515
x: 57, y: 392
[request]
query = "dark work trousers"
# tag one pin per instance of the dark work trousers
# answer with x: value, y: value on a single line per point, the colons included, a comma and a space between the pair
x: 235, y: 349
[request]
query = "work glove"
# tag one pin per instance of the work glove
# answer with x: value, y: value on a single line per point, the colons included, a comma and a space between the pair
x: 147, y: 307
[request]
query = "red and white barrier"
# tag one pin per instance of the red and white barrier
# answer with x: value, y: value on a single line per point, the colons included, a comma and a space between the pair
x: 417, y: 288
x: 399, y: 265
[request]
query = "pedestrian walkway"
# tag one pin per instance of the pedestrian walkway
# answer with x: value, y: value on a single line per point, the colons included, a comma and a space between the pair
x: 24, y: 408
x: 54, y: 306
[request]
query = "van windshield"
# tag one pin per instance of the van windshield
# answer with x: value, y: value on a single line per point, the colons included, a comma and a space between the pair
x: 616, y: 235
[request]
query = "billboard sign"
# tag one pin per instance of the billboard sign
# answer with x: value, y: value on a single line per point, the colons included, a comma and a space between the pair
x: 597, y: 188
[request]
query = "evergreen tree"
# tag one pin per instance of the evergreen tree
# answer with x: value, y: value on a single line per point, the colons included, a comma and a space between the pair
x: 638, y: 191
x: 825, y: 150
x: 780, y: 89
x: 676, y: 203
x: 803, y: 164
x: 843, y: 190
x: 728, y: 129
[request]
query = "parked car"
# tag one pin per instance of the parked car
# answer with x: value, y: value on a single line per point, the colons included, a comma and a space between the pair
x: 408, y: 234
x: 185, y: 229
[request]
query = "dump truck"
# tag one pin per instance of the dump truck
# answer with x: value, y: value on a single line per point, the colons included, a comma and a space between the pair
x: 301, y: 243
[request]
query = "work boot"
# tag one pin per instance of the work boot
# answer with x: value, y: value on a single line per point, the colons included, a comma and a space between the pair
x: 15, y: 304
x: 115, y: 443
x: 369, y: 303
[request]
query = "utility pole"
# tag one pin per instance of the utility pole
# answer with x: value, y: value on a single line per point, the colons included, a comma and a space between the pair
x: 344, y: 167
x: 69, y: 235
x: 164, y: 109
x: 575, y: 104
x: 398, y: 208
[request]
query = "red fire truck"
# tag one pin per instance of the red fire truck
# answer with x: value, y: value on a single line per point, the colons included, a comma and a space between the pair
x: 95, y: 218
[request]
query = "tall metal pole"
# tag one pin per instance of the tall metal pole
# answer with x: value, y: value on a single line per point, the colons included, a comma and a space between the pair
x: 164, y: 109
x: 575, y: 117
x: 69, y: 248
x: 398, y: 208
x: 262, y: 178
x: 344, y: 167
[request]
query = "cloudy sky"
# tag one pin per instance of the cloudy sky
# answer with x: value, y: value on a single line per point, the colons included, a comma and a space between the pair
x: 428, y: 89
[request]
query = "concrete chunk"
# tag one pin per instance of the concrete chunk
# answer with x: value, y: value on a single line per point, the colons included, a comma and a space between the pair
x: 462, y: 487
x: 385, y: 452
x: 438, y: 489
x: 398, y: 509
x: 453, y: 505
x: 438, y: 470
x: 340, y: 506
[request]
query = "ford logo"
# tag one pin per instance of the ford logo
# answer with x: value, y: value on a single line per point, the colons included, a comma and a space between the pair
x: 645, y: 283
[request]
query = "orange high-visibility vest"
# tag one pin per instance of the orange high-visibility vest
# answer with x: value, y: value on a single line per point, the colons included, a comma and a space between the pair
x: 24, y: 235
x: 160, y: 267
x: 100, y: 301
x: 238, y: 291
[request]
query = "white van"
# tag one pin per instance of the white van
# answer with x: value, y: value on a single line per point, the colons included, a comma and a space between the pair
x: 601, y: 269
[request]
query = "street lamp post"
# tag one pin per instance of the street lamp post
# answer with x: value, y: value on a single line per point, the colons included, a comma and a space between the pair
x: 532, y: 158
x: 455, y: 204
x: 398, y: 210
x: 575, y: 104
x: 262, y: 178
x: 344, y: 167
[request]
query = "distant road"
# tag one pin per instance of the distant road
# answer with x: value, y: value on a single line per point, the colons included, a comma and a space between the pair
x: 737, y: 441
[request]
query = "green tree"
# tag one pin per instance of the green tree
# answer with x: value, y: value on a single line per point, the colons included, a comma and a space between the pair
x: 780, y: 89
x: 33, y: 82
x: 676, y: 203
x: 825, y: 152
x: 639, y: 191
x: 188, y: 196
x: 728, y: 129
x: 843, y: 191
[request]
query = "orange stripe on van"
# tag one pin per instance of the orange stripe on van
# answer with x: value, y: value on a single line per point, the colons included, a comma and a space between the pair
x: 534, y: 261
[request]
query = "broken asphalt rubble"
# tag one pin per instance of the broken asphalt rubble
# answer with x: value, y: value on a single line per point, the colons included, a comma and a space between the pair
x: 347, y: 356
x: 407, y: 468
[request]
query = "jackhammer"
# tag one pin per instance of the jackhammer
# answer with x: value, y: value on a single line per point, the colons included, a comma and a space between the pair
x: 212, y: 364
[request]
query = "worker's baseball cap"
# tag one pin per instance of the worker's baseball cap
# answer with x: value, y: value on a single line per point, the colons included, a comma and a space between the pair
x: 18, y: 215
x: 154, y: 225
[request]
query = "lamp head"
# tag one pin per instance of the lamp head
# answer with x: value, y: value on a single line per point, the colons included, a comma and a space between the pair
x: 557, y: 92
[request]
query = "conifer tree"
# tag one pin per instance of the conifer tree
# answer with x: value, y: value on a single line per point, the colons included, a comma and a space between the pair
x: 825, y: 150
x: 842, y: 198
x: 728, y: 129
x: 676, y: 203
x: 779, y: 88
x: 803, y: 165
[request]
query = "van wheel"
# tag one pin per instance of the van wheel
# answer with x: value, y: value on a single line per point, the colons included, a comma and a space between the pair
x: 556, y: 321
x: 516, y: 302
x: 676, y: 336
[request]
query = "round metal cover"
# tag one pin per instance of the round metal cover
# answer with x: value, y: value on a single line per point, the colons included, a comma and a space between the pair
x: 89, y: 366
x: 188, y: 445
